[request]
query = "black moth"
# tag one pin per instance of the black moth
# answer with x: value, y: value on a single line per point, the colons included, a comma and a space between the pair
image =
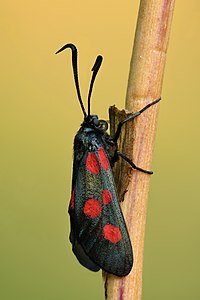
x: 99, y: 236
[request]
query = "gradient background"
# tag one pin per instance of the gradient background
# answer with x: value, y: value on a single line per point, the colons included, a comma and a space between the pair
x: 39, y: 118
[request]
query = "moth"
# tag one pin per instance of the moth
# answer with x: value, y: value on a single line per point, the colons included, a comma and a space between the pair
x: 99, y: 235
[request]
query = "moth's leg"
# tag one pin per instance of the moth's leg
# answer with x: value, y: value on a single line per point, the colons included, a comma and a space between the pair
x: 132, y: 163
x: 131, y: 117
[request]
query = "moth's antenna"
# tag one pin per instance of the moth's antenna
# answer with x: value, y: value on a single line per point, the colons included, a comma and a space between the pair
x: 95, y: 70
x: 75, y: 70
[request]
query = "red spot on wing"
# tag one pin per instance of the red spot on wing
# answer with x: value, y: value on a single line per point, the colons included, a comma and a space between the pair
x: 72, y: 199
x: 103, y: 159
x: 92, y: 208
x: 92, y: 163
x: 106, y: 196
x: 112, y: 233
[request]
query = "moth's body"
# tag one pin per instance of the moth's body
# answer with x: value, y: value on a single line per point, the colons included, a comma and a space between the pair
x: 98, y: 232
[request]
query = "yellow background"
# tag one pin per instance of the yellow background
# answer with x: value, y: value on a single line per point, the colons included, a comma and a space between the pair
x: 40, y: 115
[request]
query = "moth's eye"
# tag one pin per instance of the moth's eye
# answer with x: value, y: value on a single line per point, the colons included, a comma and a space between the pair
x: 103, y: 125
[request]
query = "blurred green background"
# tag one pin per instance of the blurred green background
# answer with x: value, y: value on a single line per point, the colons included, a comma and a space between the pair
x: 40, y: 115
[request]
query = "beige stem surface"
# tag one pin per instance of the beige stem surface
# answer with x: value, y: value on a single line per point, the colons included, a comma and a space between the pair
x: 144, y: 86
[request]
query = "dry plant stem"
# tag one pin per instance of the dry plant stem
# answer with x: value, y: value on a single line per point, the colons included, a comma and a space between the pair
x: 144, y: 86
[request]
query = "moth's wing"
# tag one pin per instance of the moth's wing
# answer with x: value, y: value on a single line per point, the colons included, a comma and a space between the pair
x: 99, y: 225
x: 82, y: 257
x: 78, y: 250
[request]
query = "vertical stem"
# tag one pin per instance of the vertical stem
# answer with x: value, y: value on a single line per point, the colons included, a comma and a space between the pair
x: 144, y: 86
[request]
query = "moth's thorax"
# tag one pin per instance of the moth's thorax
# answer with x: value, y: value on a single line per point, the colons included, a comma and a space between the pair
x: 87, y: 137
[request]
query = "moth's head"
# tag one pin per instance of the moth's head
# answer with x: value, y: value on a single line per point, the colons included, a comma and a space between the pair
x: 94, y: 122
